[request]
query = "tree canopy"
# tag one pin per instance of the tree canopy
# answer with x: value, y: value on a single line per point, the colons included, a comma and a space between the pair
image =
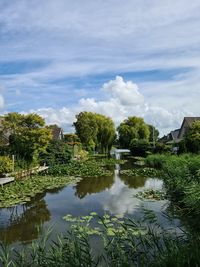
x: 154, y: 133
x: 133, y: 128
x: 192, y: 138
x: 96, y: 131
x: 28, y: 135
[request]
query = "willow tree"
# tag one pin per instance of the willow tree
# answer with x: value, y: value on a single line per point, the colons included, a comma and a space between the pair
x: 133, y: 128
x: 96, y: 131
x: 28, y: 135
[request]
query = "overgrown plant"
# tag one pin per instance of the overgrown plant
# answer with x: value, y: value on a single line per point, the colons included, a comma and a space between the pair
x: 124, y: 243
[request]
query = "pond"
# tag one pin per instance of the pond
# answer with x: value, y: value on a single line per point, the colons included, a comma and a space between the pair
x: 114, y: 194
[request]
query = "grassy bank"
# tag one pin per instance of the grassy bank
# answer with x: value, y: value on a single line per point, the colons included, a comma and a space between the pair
x: 181, y: 175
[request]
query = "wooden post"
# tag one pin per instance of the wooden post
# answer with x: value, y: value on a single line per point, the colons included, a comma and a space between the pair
x: 13, y: 162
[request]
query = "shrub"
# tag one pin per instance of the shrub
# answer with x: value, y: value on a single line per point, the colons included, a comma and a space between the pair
x: 5, y: 164
x: 139, y: 147
x: 156, y: 161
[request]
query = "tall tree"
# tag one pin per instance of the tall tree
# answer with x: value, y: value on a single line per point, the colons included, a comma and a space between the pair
x: 154, y: 133
x: 28, y: 135
x: 96, y: 131
x: 192, y: 138
x: 133, y: 128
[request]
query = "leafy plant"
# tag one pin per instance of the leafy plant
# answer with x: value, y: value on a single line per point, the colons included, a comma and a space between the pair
x: 5, y: 164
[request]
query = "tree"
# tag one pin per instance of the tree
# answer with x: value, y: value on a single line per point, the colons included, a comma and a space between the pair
x: 192, y: 138
x: 96, y: 131
x: 73, y: 141
x: 133, y: 128
x: 139, y: 147
x: 57, y: 152
x: 28, y: 135
x: 154, y: 133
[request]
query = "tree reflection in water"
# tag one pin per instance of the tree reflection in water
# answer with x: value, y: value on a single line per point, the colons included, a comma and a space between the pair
x: 24, y: 221
x: 133, y: 181
x: 92, y: 185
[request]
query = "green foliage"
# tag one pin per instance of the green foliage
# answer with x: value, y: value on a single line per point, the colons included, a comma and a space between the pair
x: 27, y: 135
x: 182, y: 181
x: 144, y: 172
x: 139, y: 147
x: 132, y: 128
x: 155, y: 161
x: 192, y: 138
x: 161, y: 148
x: 5, y: 164
x: 151, y: 194
x: 57, y: 152
x: 22, y: 191
x: 96, y: 132
x: 79, y: 168
x: 124, y: 243
x: 82, y: 155
x: 154, y: 133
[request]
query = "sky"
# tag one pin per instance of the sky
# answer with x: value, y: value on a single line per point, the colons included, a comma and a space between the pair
x: 119, y: 58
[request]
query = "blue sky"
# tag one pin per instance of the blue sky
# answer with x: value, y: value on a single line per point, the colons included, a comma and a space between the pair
x: 119, y: 58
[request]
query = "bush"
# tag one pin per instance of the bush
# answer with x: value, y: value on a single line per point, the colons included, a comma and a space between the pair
x: 156, y: 161
x: 182, y: 181
x: 139, y: 147
x: 5, y: 164
x: 57, y: 152
x: 161, y: 148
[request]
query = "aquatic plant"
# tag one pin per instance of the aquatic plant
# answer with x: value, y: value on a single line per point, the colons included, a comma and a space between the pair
x: 124, y: 242
x: 151, y: 194
x: 146, y: 172
x: 88, y: 168
x: 22, y: 191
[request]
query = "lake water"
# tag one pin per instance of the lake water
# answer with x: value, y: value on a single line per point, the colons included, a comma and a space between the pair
x: 114, y: 195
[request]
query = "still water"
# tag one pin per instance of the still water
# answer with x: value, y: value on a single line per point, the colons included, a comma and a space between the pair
x: 114, y: 194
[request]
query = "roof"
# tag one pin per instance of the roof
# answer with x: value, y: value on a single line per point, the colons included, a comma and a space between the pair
x: 175, y: 134
x: 57, y: 133
x: 186, y: 124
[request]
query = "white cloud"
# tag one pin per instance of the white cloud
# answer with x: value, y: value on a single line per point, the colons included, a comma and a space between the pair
x: 1, y: 102
x: 165, y: 120
x: 79, y: 38
x: 126, y: 92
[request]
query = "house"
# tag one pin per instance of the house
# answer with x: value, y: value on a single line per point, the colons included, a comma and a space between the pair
x: 186, y: 124
x: 177, y: 135
x: 57, y: 132
x: 172, y: 137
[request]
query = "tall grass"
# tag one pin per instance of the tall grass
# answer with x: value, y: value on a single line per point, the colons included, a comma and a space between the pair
x: 181, y: 175
x: 128, y: 244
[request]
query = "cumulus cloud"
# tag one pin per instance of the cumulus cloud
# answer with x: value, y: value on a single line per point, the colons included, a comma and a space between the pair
x: 63, y: 117
x: 1, y: 102
x: 126, y: 92
x: 135, y: 37
x: 165, y: 120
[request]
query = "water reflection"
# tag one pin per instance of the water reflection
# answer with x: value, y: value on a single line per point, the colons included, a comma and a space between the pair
x: 133, y: 182
x: 115, y: 194
x: 92, y: 185
x: 23, y: 221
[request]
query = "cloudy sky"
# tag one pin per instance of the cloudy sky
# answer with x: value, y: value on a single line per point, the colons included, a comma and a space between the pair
x: 116, y: 57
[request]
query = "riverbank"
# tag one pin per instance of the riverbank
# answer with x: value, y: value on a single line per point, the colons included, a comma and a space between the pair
x: 116, y: 195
